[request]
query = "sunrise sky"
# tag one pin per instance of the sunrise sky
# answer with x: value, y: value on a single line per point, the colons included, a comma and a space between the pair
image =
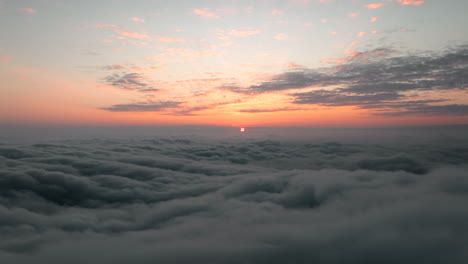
x: 234, y: 62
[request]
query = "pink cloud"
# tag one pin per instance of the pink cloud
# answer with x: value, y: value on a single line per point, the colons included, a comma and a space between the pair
x: 189, y: 53
x: 244, y: 33
x: 294, y: 65
x: 114, y: 67
x: 132, y: 34
x: 5, y: 59
x: 169, y: 39
x: 228, y: 11
x: 226, y: 44
x: 360, y: 56
x: 28, y: 10
x: 332, y: 32
x: 276, y: 12
x: 281, y: 36
x: 411, y: 2
x: 204, y: 13
x: 374, y: 5
x: 361, y: 34
x: 307, y: 24
x: 374, y: 31
x: 374, y: 19
x: 324, y: 20
x: 333, y: 60
x: 148, y: 69
x: 104, y: 25
x: 353, y: 15
x: 137, y: 19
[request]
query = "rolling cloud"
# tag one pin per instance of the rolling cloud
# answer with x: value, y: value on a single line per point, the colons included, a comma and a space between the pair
x: 171, y: 200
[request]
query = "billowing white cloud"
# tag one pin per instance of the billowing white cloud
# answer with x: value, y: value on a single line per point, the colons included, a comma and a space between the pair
x: 172, y: 200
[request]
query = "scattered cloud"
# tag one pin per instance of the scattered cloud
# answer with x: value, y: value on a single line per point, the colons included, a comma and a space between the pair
x: 411, y: 2
x: 142, y: 107
x: 28, y: 10
x: 114, y: 67
x: 170, y: 39
x: 104, y: 25
x: 281, y: 36
x: 189, y: 53
x: 353, y: 15
x: 361, y: 34
x: 5, y: 59
x: 244, y: 33
x: 132, y: 34
x: 129, y: 81
x: 205, y: 13
x: 148, y: 69
x: 374, y: 19
x: 276, y: 12
x: 137, y: 19
x: 374, y: 5
x: 294, y: 65
x: 270, y: 110
x: 377, y: 78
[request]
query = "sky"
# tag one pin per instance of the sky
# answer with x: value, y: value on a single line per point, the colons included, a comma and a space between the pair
x: 332, y: 63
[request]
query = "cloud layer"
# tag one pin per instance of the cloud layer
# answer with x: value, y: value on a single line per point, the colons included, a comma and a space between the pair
x: 377, y: 79
x: 169, y: 200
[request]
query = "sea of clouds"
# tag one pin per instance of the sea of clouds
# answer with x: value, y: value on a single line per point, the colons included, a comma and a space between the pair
x: 346, y: 197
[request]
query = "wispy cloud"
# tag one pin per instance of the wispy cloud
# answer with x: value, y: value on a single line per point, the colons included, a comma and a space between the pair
x: 244, y: 33
x: 5, y: 59
x: 132, y: 34
x: 281, y: 36
x: 294, y: 65
x: 374, y: 19
x: 142, y: 107
x: 374, y: 5
x: 269, y: 110
x: 379, y: 80
x: 105, y: 25
x: 129, y: 81
x: 137, y: 19
x: 28, y: 10
x: 170, y: 39
x: 148, y: 69
x: 205, y: 13
x: 411, y: 2
x: 277, y: 12
x: 189, y: 53
x: 113, y: 67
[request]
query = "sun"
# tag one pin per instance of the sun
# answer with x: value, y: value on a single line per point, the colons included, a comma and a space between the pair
x: 242, y: 129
